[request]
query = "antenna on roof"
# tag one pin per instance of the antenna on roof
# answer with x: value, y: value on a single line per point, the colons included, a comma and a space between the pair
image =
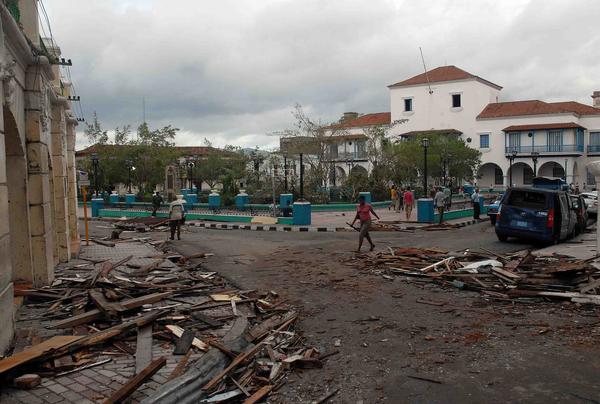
x: 425, y: 67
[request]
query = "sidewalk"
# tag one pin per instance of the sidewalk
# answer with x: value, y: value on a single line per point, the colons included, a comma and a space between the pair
x: 582, y: 247
x: 118, y: 322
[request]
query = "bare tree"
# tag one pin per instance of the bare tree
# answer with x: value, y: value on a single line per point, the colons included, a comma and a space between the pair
x: 312, y: 139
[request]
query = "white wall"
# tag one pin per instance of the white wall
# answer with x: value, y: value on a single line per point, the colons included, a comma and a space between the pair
x: 434, y: 111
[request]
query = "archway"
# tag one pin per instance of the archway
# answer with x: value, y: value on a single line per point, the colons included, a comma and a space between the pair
x: 551, y: 169
x: 522, y: 174
x: 490, y: 174
x: 340, y: 175
x: 18, y: 201
x: 359, y: 170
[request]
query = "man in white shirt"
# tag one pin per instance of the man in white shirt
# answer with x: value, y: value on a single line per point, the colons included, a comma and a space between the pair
x: 475, y: 198
x: 440, y: 203
x: 176, y: 216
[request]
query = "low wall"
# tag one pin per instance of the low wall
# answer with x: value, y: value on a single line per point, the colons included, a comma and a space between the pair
x: 458, y: 214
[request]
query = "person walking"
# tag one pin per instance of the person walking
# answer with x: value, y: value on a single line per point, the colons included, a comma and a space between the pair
x: 476, y: 198
x: 363, y: 213
x: 409, y: 203
x: 157, y: 200
x: 176, y: 216
x: 440, y: 203
x: 401, y: 200
x: 394, y: 196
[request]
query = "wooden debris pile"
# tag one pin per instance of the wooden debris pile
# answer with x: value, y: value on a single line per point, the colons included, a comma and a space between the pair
x: 511, y: 276
x: 104, y: 309
x: 142, y: 224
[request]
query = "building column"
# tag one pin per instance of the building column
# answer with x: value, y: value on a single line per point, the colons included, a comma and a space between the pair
x: 71, y: 181
x: 38, y: 167
x: 6, y: 285
x: 60, y: 184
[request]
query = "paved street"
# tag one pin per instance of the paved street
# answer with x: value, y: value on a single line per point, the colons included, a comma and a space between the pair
x: 480, y: 350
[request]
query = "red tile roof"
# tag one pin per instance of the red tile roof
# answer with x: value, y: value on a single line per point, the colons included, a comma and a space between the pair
x: 564, y: 125
x: 377, y: 118
x: 535, y: 107
x: 433, y: 132
x: 441, y: 74
x: 577, y: 107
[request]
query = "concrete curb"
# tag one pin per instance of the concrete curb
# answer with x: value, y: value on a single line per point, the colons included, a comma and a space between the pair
x: 265, y: 227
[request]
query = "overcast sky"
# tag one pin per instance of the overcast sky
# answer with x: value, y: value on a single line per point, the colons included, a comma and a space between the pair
x: 232, y: 70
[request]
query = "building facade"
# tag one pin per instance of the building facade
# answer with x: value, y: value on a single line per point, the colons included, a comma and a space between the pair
x: 38, y: 213
x: 515, y: 138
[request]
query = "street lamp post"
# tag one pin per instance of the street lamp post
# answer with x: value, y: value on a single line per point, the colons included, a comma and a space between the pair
x: 301, y: 178
x: 129, y: 165
x: 425, y: 144
x: 95, y: 160
x: 534, y: 157
x: 190, y: 166
x: 285, y: 173
x: 511, y: 159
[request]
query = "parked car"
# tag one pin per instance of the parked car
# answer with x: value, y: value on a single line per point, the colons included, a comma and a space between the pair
x: 493, y: 209
x: 580, y: 208
x: 591, y: 200
x: 536, y: 214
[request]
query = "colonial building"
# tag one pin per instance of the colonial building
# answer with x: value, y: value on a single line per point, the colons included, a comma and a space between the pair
x: 517, y: 139
x: 38, y: 215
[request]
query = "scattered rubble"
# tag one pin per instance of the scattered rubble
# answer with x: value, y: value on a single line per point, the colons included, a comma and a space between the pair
x: 130, y: 307
x: 511, y: 276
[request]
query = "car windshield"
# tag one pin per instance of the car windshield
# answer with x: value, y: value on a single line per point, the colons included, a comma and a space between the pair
x: 527, y: 199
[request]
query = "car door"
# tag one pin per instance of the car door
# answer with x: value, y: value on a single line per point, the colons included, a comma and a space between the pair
x: 565, y: 216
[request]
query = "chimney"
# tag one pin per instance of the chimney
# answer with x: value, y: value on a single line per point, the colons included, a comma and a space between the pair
x: 596, y: 99
x: 348, y: 116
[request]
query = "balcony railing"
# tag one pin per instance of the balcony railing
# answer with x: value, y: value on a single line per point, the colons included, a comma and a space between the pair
x: 593, y: 148
x: 565, y: 148
x: 360, y: 155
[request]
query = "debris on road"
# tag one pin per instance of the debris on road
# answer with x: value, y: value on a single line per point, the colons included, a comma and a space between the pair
x: 158, y: 302
x: 510, y: 276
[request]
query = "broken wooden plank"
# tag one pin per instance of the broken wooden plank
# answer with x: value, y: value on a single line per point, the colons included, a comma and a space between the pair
x: 108, y: 308
x: 96, y: 314
x: 184, y: 343
x: 178, y: 331
x: 143, y: 349
x: 36, y: 351
x: 181, y: 365
x: 248, y: 353
x: 132, y: 385
x: 104, y: 243
x: 259, y: 394
x: 262, y: 329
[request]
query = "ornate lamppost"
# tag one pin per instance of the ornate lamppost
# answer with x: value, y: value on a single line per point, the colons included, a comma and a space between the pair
x: 95, y: 161
x: 534, y: 157
x: 425, y: 144
x: 511, y: 159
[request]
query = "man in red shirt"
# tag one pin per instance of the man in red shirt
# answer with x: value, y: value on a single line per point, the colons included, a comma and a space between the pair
x: 409, y: 203
x: 363, y: 213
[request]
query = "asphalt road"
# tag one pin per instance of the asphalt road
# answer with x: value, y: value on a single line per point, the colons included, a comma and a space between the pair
x: 478, y: 350
x: 469, y: 348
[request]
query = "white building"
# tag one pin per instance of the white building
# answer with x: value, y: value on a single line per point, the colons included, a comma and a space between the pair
x: 561, y: 136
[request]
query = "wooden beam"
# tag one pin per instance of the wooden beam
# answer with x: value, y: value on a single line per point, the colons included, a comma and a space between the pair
x: 132, y: 385
x: 184, y: 343
x: 250, y: 352
x: 96, y: 314
x: 259, y: 394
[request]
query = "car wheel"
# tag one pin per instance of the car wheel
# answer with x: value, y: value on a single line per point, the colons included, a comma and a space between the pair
x: 493, y: 220
x: 502, y: 237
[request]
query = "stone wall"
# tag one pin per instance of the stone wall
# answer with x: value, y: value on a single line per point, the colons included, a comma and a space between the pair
x: 38, y: 212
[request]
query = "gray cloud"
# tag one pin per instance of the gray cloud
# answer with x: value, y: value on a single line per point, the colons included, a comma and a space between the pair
x: 231, y: 70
